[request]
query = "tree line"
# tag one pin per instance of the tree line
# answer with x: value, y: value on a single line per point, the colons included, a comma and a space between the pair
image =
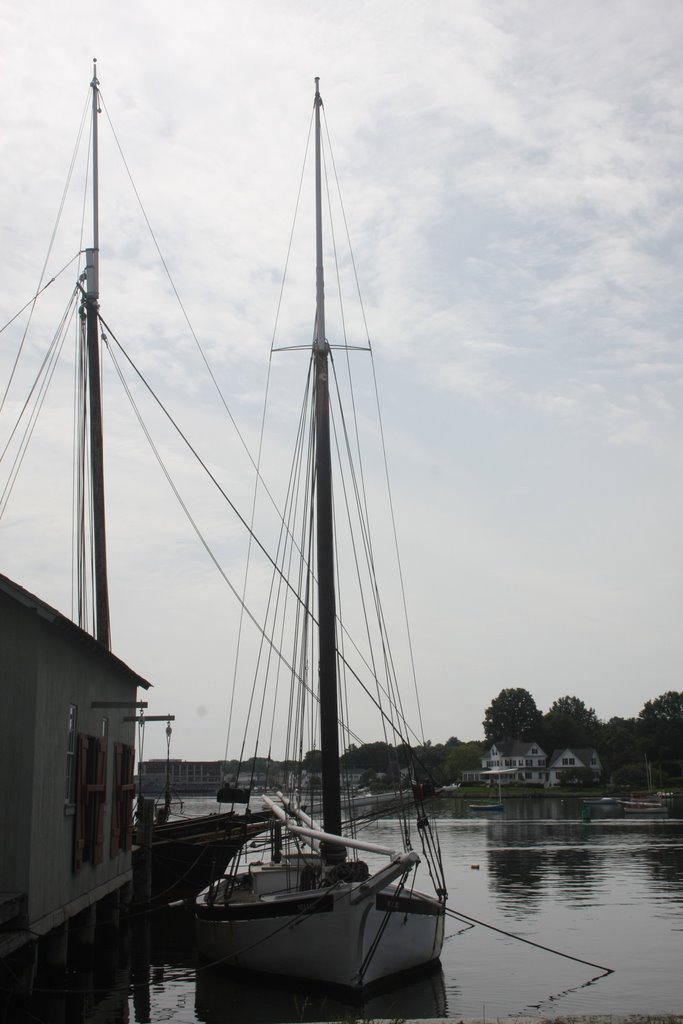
x: 629, y: 748
x: 654, y: 738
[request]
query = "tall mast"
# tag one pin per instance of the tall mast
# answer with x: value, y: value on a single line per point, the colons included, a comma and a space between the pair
x: 92, y: 295
x: 329, y: 717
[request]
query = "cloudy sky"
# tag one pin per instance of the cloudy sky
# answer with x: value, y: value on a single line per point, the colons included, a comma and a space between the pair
x: 511, y: 177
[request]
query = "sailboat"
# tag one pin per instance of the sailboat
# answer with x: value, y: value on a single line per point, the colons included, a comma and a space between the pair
x: 489, y: 805
x: 185, y: 853
x: 315, y: 911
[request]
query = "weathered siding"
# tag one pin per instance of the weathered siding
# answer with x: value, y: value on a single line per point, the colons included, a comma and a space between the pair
x: 47, y: 664
x: 69, y: 675
x: 17, y: 725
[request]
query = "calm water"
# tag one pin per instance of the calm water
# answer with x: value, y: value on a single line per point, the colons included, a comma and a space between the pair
x: 609, y: 892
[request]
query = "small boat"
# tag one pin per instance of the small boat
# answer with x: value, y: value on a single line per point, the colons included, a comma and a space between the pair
x: 485, y: 806
x: 645, y: 807
x: 315, y: 912
x: 600, y: 801
x: 449, y: 790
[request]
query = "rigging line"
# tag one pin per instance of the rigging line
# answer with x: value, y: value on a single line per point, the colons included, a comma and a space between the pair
x: 180, y: 302
x: 257, y: 464
x: 363, y: 604
x: 458, y: 915
x: 396, y: 546
x: 185, y: 508
x: 256, y: 540
x: 37, y: 295
x: 365, y: 518
x: 187, y: 443
x: 192, y: 522
x: 44, y: 376
x: 206, y: 469
x: 49, y: 249
x: 367, y: 334
x: 393, y: 693
x: 274, y: 597
x: 361, y: 510
x: 346, y: 229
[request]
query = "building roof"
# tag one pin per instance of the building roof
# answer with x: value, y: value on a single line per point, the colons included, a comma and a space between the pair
x: 16, y: 593
x: 582, y: 754
x: 516, y: 748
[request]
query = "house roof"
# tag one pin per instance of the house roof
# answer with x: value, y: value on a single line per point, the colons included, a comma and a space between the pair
x: 582, y: 754
x: 517, y: 748
x: 58, y: 621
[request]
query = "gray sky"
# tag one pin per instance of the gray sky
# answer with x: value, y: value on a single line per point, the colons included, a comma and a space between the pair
x: 511, y: 176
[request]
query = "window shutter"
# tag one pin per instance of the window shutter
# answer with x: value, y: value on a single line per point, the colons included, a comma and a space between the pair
x: 128, y: 789
x: 100, y: 794
x: 81, y: 817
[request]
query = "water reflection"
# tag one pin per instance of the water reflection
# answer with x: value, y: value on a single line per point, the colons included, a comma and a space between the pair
x: 516, y: 876
x: 576, y: 887
x: 222, y: 997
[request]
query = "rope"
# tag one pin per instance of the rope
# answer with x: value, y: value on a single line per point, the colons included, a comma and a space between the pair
x: 538, y: 945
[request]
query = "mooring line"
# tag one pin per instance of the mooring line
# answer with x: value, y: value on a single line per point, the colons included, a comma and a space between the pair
x: 511, y: 935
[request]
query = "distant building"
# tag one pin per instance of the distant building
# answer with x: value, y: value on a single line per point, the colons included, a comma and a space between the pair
x: 571, y: 759
x: 517, y: 761
x: 522, y: 761
x: 183, y: 776
x: 66, y: 778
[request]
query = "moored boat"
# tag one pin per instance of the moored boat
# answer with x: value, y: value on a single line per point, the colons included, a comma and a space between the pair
x: 315, y: 912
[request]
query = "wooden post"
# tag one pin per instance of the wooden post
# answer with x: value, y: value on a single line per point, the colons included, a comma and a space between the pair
x: 142, y: 857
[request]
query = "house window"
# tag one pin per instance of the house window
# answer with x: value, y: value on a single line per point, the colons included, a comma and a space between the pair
x: 527, y: 775
x: 534, y: 750
x: 70, y: 779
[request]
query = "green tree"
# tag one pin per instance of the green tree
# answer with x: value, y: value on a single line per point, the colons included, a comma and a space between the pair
x: 574, y: 707
x: 512, y: 714
x: 568, y: 723
x: 376, y: 755
x: 660, y: 726
x: 576, y: 777
x: 617, y: 743
x: 312, y: 762
x: 464, y: 757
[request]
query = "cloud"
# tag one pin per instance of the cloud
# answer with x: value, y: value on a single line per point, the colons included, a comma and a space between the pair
x: 510, y: 178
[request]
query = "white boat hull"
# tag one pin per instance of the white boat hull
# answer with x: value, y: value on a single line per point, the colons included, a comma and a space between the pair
x: 328, y: 936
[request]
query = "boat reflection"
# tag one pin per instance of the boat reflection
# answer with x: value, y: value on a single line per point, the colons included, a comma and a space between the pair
x: 217, y: 989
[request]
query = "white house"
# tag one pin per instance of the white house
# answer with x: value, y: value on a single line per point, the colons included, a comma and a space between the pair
x: 519, y: 760
x: 564, y: 760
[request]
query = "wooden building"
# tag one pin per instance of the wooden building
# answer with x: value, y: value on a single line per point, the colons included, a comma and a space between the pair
x: 66, y: 772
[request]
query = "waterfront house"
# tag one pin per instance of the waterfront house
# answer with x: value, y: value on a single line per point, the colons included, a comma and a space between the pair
x: 517, y: 760
x: 572, y: 760
x: 66, y: 778
x: 514, y: 761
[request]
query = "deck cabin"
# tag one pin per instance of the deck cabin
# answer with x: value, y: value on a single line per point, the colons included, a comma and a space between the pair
x: 67, y: 766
